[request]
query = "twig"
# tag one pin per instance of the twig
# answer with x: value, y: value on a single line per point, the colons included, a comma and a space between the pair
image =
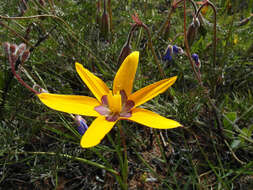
x: 234, y: 155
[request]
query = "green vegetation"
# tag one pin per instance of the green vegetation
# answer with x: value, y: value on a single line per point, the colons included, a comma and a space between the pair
x: 40, y: 147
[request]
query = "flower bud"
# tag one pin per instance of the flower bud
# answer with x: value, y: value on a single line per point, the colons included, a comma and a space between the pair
x: 81, y: 124
x: 42, y: 2
x: 192, y: 30
x: 171, y: 51
x: 196, y: 60
x: 21, y: 49
x: 98, y: 19
x: 177, y: 50
x: 13, y: 49
x: 105, y: 23
x: 125, y: 51
x: 168, y: 53
x: 24, y: 56
x: 244, y: 21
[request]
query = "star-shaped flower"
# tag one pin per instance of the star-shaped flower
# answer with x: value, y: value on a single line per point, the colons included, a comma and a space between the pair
x: 111, y: 106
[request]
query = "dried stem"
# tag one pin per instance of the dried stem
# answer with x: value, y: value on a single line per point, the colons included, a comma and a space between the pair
x: 207, y: 2
x: 215, y: 109
x: 171, y: 11
x: 150, y: 44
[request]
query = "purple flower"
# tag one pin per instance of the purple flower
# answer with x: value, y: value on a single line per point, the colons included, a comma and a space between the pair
x: 195, y: 58
x: 172, y: 50
x: 81, y: 124
x: 168, y: 54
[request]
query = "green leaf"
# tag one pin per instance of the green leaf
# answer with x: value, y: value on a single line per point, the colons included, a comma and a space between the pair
x: 232, y: 117
x: 235, y: 144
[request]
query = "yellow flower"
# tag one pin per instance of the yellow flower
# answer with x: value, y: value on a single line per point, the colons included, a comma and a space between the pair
x: 111, y: 106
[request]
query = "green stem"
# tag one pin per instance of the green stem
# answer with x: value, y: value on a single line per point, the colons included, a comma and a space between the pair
x: 119, y: 178
x: 125, y: 163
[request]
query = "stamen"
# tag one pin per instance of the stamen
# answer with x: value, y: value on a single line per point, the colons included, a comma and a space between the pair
x: 114, y: 102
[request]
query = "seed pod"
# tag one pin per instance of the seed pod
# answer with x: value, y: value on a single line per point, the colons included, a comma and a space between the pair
x: 244, y: 21
x: 105, y: 23
x: 125, y: 51
x: 192, y: 30
x: 98, y: 17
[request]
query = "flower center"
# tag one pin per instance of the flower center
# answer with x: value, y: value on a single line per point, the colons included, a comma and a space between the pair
x: 115, y: 105
x: 115, y: 102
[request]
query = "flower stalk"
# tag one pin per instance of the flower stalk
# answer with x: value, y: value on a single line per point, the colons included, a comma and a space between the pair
x: 208, y: 3
x: 141, y: 24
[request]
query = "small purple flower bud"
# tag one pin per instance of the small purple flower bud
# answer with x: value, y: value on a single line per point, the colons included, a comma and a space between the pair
x: 195, y: 58
x: 168, y: 53
x: 81, y: 124
x: 177, y: 50
x: 171, y: 51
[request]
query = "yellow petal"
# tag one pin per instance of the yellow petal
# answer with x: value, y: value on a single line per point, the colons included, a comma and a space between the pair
x: 126, y: 73
x: 96, y: 132
x: 81, y: 105
x: 145, y: 94
x: 151, y: 119
x: 95, y: 84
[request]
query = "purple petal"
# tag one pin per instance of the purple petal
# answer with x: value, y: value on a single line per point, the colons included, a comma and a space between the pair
x: 81, y: 123
x: 125, y: 114
x: 102, y: 110
x: 123, y: 97
x: 104, y: 100
x: 168, y: 54
x: 175, y: 49
x: 128, y: 106
x: 112, y: 117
